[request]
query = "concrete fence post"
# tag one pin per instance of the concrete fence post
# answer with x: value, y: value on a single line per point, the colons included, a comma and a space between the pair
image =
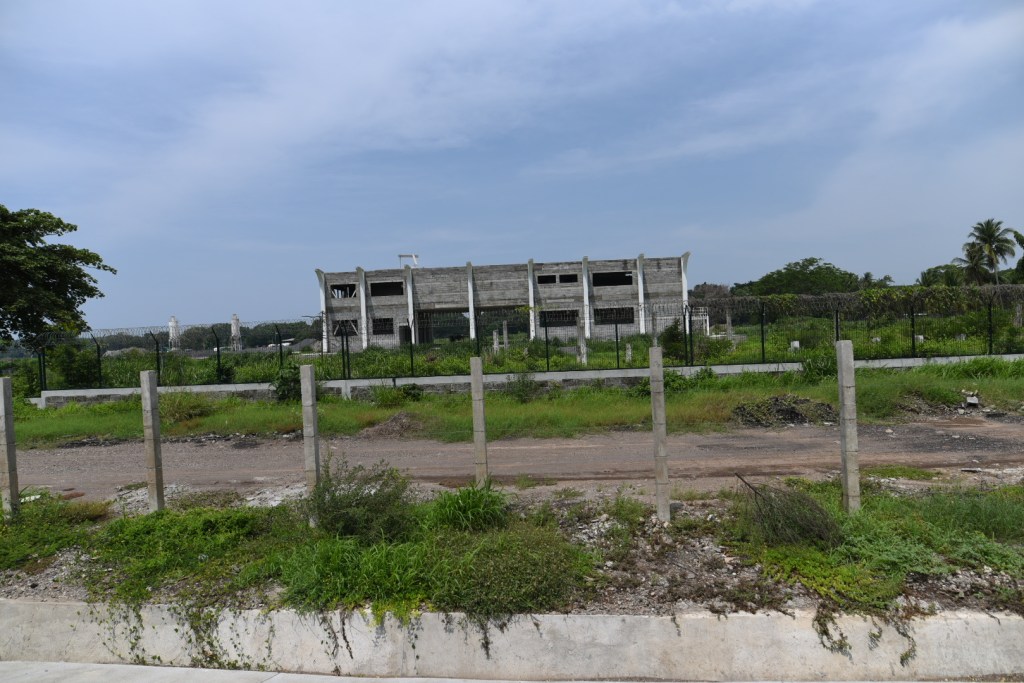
x: 497, y: 344
x: 658, y: 418
x: 310, y: 426
x: 9, y: 467
x: 850, y: 471
x: 151, y: 431
x: 476, y: 369
x: 504, y: 334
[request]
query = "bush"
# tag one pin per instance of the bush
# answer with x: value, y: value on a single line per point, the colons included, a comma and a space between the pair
x: 182, y: 406
x: 372, y: 504
x: 288, y: 384
x: 523, y: 387
x: 468, y: 509
x: 672, y: 341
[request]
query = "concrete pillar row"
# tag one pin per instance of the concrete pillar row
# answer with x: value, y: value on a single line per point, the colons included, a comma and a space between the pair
x: 640, y: 293
x: 586, y: 297
x: 531, y: 282
x: 412, y: 313
x: 472, y: 303
x: 362, y: 307
x: 324, y: 315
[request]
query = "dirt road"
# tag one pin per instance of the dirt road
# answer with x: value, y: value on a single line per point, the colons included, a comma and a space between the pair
x: 697, y: 461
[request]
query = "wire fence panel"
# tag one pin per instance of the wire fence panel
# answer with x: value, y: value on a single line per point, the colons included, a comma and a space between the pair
x: 888, y: 323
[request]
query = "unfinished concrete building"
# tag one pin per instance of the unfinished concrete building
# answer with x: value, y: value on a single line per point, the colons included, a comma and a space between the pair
x: 563, y: 299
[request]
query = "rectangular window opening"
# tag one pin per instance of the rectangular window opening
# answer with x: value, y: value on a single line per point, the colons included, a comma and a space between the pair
x: 617, y: 279
x: 559, y: 318
x: 395, y: 288
x: 612, y: 316
x: 546, y: 279
x: 383, y: 325
x: 568, y: 277
x: 343, y: 291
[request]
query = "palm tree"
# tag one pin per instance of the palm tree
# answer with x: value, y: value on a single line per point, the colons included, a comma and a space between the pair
x: 973, y: 264
x: 995, y: 243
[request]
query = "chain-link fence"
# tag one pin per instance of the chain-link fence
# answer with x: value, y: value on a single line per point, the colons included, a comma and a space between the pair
x: 888, y: 323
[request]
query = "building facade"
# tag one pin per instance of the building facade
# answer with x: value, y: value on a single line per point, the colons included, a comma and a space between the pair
x: 564, y: 299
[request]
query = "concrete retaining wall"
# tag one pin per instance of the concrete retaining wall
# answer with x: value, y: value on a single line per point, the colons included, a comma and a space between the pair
x: 362, y: 388
x: 695, y: 645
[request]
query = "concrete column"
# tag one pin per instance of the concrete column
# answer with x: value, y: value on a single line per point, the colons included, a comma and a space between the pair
x: 476, y: 369
x: 412, y: 313
x: 151, y: 432
x: 310, y: 426
x: 586, y: 297
x: 660, y: 434
x: 684, y: 261
x: 325, y: 333
x: 504, y: 334
x: 641, y: 310
x: 472, y: 304
x: 849, y: 470
x: 531, y: 283
x: 8, y: 456
x: 362, y: 307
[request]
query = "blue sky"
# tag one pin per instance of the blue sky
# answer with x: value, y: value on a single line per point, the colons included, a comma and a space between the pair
x: 216, y: 153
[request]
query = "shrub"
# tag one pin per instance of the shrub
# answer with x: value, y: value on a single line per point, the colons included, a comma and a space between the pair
x: 673, y: 341
x: 468, y: 509
x: 372, y: 504
x: 523, y: 387
x: 182, y: 406
x: 288, y: 384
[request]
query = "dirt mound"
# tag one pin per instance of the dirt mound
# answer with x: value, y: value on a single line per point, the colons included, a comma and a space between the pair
x: 776, y: 411
x: 396, y: 426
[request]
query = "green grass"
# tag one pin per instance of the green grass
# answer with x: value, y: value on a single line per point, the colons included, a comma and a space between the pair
x: 44, y: 527
x: 698, y: 404
x: 899, y: 472
x: 892, y: 537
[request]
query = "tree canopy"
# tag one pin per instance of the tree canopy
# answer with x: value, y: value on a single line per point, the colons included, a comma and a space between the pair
x: 42, y: 285
x: 809, y: 276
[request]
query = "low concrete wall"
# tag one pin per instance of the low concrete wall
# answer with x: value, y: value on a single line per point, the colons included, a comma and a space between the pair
x: 690, y: 646
x: 362, y: 388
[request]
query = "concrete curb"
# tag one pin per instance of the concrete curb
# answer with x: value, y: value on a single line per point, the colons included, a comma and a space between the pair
x: 693, y: 645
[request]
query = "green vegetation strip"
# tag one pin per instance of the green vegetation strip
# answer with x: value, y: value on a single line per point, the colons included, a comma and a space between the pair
x: 526, y: 408
x: 863, y: 561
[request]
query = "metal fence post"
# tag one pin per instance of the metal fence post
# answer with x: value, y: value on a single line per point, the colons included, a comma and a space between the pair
x: 156, y: 345
x: 547, y: 346
x: 990, y: 331
x: 838, y: 332
x: 280, y: 347
x: 689, y: 326
x: 617, y: 364
x: 42, y: 369
x: 913, y: 333
x: 763, y: 356
x: 8, y: 457
x: 99, y: 363
x: 216, y: 339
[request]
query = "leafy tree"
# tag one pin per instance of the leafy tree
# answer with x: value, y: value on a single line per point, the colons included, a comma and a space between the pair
x: 42, y: 285
x: 809, y: 276
x: 868, y: 281
x: 948, y: 275
x: 993, y: 241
